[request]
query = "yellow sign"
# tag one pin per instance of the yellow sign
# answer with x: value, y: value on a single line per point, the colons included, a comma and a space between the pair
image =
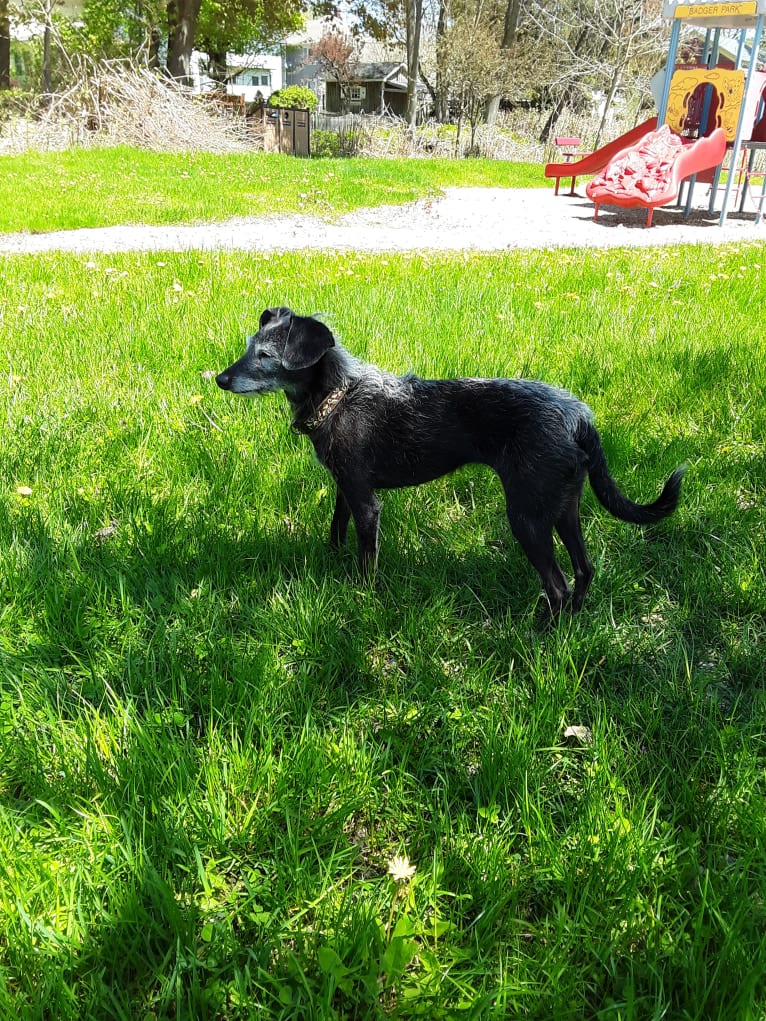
x: 719, y: 10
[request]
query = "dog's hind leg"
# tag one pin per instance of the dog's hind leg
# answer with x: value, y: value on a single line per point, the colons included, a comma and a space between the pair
x: 570, y: 530
x: 365, y: 510
x: 537, y: 542
x: 340, y: 519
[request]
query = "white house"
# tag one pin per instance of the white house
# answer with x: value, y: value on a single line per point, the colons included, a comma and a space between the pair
x: 255, y: 78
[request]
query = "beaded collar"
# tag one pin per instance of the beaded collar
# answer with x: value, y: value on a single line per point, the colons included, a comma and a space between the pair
x: 326, y: 408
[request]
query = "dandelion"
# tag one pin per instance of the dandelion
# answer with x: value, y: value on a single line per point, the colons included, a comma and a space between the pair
x: 23, y: 490
x: 196, y: 399
x: 400, y: 870
x: 401, y: 873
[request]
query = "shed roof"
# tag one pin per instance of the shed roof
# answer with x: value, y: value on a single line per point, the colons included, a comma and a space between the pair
x: 380, y: 71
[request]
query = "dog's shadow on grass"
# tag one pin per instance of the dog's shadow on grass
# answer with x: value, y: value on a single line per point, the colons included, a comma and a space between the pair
x: 166, y: 570
x: 139, y: 604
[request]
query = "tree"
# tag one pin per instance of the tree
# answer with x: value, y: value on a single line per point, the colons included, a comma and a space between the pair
x: 477, y: 61
x: 243, y: 26
x: 638, y: 44
x: 337, y: 53
x: 5, y: 45
x: 510, y: 29
x: 399, y: 22
x: 476, y: 68
x: 135, y: 28
x: 414, y: 31
x: 116, y: 28
x: 598, y: 44
x: 182, y: 30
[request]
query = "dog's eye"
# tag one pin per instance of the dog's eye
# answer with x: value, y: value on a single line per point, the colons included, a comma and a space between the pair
x: 262, y: 355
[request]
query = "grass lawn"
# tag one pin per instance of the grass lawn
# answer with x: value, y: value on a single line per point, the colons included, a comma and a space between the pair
x: 108, y: 187
x: 215, y: 738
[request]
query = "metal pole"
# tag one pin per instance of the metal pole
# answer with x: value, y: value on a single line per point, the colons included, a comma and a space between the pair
x: 706, y: 47
x: 740, y: 124
x: 716, y: 43
x: 675, y: 33
x: 740, y: 51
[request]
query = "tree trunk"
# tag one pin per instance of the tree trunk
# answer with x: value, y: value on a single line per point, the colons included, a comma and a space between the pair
x: 613, y: 85
x: 566, y: 95
x: 474, y: 114
x: 47, y: 86
x: 556, y: 110
x: 216, y: 67
x: 155, y: 44
x: 510, y: 27
x: 182, y: 27
x: 5, y: 46
x: 441, y: 99
x: 414, y: 31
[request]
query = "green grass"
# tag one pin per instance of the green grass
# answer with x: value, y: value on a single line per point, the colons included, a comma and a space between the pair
x: 214, y: 736
x: 108, y: 187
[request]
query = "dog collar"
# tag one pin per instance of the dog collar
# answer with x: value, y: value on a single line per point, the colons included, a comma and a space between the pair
x: 326, y: 408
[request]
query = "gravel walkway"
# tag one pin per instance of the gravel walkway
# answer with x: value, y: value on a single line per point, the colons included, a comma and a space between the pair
x: 478, y: 219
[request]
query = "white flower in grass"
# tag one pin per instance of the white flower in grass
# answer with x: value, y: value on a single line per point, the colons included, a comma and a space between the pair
x: 400, y: 870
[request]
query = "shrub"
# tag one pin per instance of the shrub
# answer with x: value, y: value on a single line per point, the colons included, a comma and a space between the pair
x: 325, y: 143
x: 294, y: 97
x: 16, y: 103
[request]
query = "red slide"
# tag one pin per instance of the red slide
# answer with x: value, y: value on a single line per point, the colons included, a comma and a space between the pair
x: 650, y: 173
x: 597, y: 160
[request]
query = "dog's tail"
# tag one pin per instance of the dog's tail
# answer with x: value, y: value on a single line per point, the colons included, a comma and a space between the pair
x: 606, y: 488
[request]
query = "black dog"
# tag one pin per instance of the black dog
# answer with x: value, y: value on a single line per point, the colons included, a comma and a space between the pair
x: 373, y: 430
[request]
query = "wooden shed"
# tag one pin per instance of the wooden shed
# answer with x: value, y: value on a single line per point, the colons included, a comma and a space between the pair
x: 372, y: 88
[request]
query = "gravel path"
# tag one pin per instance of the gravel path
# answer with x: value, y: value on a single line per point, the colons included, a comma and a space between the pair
x: 479, y: 219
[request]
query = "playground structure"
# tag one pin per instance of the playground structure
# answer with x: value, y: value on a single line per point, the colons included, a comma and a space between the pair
x: 650, y: 174
x: 697, y: 102
x: 595, y: 161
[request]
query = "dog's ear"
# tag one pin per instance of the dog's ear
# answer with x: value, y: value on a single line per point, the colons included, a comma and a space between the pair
x: 307, y: 341
x: 270, y: 314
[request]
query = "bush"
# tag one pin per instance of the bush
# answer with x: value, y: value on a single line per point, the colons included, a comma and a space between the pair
x: 17, y: 103
x: 337, y: 143
x: 325, y: 143
x: 294, y: 97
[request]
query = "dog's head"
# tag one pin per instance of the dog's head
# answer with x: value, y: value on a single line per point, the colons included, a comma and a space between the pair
x: 285, y: 346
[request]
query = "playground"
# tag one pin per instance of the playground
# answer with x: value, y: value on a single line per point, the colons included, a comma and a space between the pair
x: 711, y: 116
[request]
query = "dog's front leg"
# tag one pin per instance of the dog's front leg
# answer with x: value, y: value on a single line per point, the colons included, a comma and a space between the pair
x: 365, y: 509
x: 340, y: 518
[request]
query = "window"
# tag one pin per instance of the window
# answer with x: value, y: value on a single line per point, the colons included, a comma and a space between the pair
x: 356, y: 93
x: 254, y: 78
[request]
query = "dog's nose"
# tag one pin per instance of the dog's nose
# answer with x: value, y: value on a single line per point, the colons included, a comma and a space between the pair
x: 223, y: 380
